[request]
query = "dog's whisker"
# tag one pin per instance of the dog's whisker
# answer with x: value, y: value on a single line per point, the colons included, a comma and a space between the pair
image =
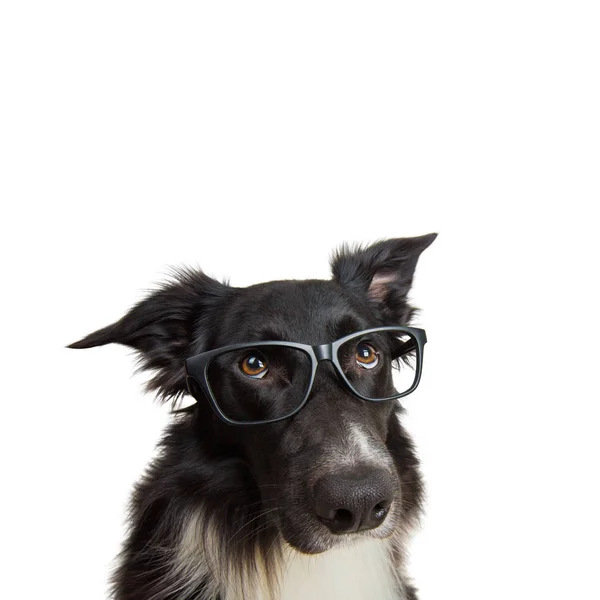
x: 259, y: 516
x: 254, y: 533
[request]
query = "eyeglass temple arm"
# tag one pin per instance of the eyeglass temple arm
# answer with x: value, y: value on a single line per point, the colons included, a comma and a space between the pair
x: 403, y: 348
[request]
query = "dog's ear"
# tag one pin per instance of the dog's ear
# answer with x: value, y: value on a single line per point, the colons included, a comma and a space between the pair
x: 163, y: 328
x: 383, y: 271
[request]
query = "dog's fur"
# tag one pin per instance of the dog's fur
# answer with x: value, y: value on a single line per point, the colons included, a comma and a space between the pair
x: 224, y: 512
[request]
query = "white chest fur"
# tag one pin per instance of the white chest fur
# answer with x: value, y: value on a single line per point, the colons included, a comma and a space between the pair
x: 360, y: 572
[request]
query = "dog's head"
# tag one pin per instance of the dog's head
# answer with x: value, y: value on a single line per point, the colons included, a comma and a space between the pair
x: 340, y: 468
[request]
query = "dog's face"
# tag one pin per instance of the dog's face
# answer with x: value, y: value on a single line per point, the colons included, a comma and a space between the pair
x: 335, y: 441
x: 341, y: 468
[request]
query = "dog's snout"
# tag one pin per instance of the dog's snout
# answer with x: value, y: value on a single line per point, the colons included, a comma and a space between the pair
x: 353, y: 500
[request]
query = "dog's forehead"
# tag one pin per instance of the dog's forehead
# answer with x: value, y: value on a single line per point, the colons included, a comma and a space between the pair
x: 306, y: 311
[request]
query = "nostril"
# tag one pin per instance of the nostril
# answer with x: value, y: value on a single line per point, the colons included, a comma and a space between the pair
x: 343, y: 518
x: 332, y: 514
x: 379, y: 511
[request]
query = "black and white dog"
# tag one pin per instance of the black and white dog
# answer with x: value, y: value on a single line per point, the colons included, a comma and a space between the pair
x: 319, y: 501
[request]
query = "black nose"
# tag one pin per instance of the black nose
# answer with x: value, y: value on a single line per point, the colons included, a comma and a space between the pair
x: 353, y: 500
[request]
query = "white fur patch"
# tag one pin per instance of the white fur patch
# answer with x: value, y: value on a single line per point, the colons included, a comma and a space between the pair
x: 358, y: 572
x: 363, y: 570
x: 362, y: 449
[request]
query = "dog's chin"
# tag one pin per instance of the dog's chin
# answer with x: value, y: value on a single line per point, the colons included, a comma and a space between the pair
x: 318, y: 545
x: 308, y: 546
x: 308, y: 535
x: 314, y: 538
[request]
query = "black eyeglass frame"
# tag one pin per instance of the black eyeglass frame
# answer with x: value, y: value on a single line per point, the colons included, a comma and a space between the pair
x: 196, y: 367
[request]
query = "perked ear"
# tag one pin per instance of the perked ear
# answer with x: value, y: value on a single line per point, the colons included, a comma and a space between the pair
x: 384, y: 272
x: 163, y: 326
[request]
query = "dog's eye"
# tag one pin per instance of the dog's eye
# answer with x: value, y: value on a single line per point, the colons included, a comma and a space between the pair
x: 254, y: 366
x: 366, y: 356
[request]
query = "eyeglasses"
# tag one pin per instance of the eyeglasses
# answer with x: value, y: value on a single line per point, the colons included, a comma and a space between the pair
x: 265, y: 382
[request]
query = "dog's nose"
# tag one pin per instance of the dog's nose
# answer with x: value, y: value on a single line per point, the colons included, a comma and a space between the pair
x: 353, y: 500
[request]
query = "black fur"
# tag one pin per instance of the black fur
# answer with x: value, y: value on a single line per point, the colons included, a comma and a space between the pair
x: 256, y: 480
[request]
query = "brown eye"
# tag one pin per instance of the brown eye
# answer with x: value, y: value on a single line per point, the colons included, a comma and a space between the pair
x: 366, y: 356
x: 254, y: 366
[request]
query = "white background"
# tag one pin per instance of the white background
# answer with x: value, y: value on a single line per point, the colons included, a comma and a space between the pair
x: 251, y: 138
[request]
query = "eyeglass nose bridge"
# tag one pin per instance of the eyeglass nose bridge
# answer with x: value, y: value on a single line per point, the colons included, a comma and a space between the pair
x: 323, y: 352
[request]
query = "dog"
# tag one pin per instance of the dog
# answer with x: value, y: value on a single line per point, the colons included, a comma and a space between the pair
x: 284, y: 480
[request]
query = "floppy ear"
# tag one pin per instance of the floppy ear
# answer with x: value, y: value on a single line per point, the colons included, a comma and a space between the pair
x: 384, y: 272
x: 163, y: 328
